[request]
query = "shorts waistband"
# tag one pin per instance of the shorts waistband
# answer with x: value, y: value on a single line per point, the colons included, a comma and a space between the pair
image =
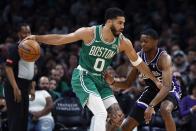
x: 79, y: 67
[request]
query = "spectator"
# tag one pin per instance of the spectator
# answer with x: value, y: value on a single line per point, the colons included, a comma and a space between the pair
x: 192, y: 72
x: 180, y: 62
x: 40, y: 117
x: 73, y: 62
x: 62, y: 69
x: 188, y: 109
x: 62, y: 86
x: 191, y: 54
x: 52, y: 86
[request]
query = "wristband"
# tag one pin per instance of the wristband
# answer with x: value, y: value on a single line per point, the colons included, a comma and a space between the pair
x: 137, y: 62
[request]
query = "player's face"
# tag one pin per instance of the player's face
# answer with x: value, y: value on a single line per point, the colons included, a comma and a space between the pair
x: 147, y: 43
x: 117, y: 26
x: 24, y: 32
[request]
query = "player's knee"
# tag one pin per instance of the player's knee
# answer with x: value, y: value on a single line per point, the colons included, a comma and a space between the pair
x: 117, y: 119
x: 165, y: 111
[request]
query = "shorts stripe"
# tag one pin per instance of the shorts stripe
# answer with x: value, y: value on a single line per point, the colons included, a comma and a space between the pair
x: 108, y: 97
x: 83, y: 85
x: 142, y: 104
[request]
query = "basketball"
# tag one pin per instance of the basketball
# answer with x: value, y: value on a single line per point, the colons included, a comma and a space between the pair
x: 29, y: 50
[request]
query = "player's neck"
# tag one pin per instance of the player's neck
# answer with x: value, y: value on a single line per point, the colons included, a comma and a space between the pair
x: 107, y: 34
x: 151, y: 54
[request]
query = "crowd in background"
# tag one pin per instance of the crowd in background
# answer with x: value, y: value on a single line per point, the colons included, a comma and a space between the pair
x: 175, y: 21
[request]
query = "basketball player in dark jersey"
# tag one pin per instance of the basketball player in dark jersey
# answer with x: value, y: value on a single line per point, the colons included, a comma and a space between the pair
x: 165, y: 98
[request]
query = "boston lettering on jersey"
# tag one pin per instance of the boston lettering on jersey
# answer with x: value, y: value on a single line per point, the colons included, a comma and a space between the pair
x: 101, y: 52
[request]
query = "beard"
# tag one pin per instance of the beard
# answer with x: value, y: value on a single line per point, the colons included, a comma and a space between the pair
x: 114, y: 31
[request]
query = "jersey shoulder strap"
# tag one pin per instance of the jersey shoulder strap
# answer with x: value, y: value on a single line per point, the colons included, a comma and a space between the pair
x: 97, y: 32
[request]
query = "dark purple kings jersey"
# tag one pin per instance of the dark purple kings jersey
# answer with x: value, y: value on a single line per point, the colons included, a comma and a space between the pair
x: 176, y: 90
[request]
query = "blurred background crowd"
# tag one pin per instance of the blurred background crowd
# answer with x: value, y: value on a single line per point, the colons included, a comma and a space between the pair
x: 175, y: 21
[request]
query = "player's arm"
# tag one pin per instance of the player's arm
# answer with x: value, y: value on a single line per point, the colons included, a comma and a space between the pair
x: 123, y: 84
x: 127, y: 47
x: 11, y: 61
x: 165, y: 64
x: 56, y: 39
x: 10, y: 75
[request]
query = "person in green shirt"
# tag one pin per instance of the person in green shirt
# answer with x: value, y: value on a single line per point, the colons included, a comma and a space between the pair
x: 52, y: 86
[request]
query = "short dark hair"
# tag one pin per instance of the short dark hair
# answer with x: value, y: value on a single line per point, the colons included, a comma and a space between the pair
x: 151, y: 32
x: 112, y: 13
x: 18, y: 29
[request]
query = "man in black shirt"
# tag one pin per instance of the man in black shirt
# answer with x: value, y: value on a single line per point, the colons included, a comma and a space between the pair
x: 19, y: 78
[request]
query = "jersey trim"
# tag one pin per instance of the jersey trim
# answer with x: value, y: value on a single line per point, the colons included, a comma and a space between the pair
x: 158, y: 60
x: 94, y: 37
x: 119, y: 41
x: 152, y: 59
x: 101, y: 37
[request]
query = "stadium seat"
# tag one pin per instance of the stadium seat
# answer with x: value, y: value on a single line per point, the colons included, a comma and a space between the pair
x: 69, y: 115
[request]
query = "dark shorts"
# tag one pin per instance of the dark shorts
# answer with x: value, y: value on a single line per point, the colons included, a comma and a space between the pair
x: 139, y: 108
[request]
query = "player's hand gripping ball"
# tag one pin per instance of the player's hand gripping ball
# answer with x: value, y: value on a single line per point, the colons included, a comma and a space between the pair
x: 29, y: 50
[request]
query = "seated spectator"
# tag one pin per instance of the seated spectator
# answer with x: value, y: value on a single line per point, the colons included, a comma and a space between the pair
x: 180, y: 61
x: 52, y: 86
x: 63, y: 71
x: 192, y: 72
x: 188, y: 109
x: 191, y: 54
x: 40, y: 118
x: 62, y: 86
x: 180, y: 82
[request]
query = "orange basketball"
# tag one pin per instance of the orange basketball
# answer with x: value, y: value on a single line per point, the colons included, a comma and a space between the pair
x: 29, y: 50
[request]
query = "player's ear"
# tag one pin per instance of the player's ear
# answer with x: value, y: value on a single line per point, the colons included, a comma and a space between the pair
x: 109, y: 21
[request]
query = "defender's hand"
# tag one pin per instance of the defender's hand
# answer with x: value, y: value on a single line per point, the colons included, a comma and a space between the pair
x: 109, y: 78
x: 17, y: 95
x: 148, y: 114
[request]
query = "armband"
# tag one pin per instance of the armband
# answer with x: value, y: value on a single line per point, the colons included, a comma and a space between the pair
x: 137, y: 62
